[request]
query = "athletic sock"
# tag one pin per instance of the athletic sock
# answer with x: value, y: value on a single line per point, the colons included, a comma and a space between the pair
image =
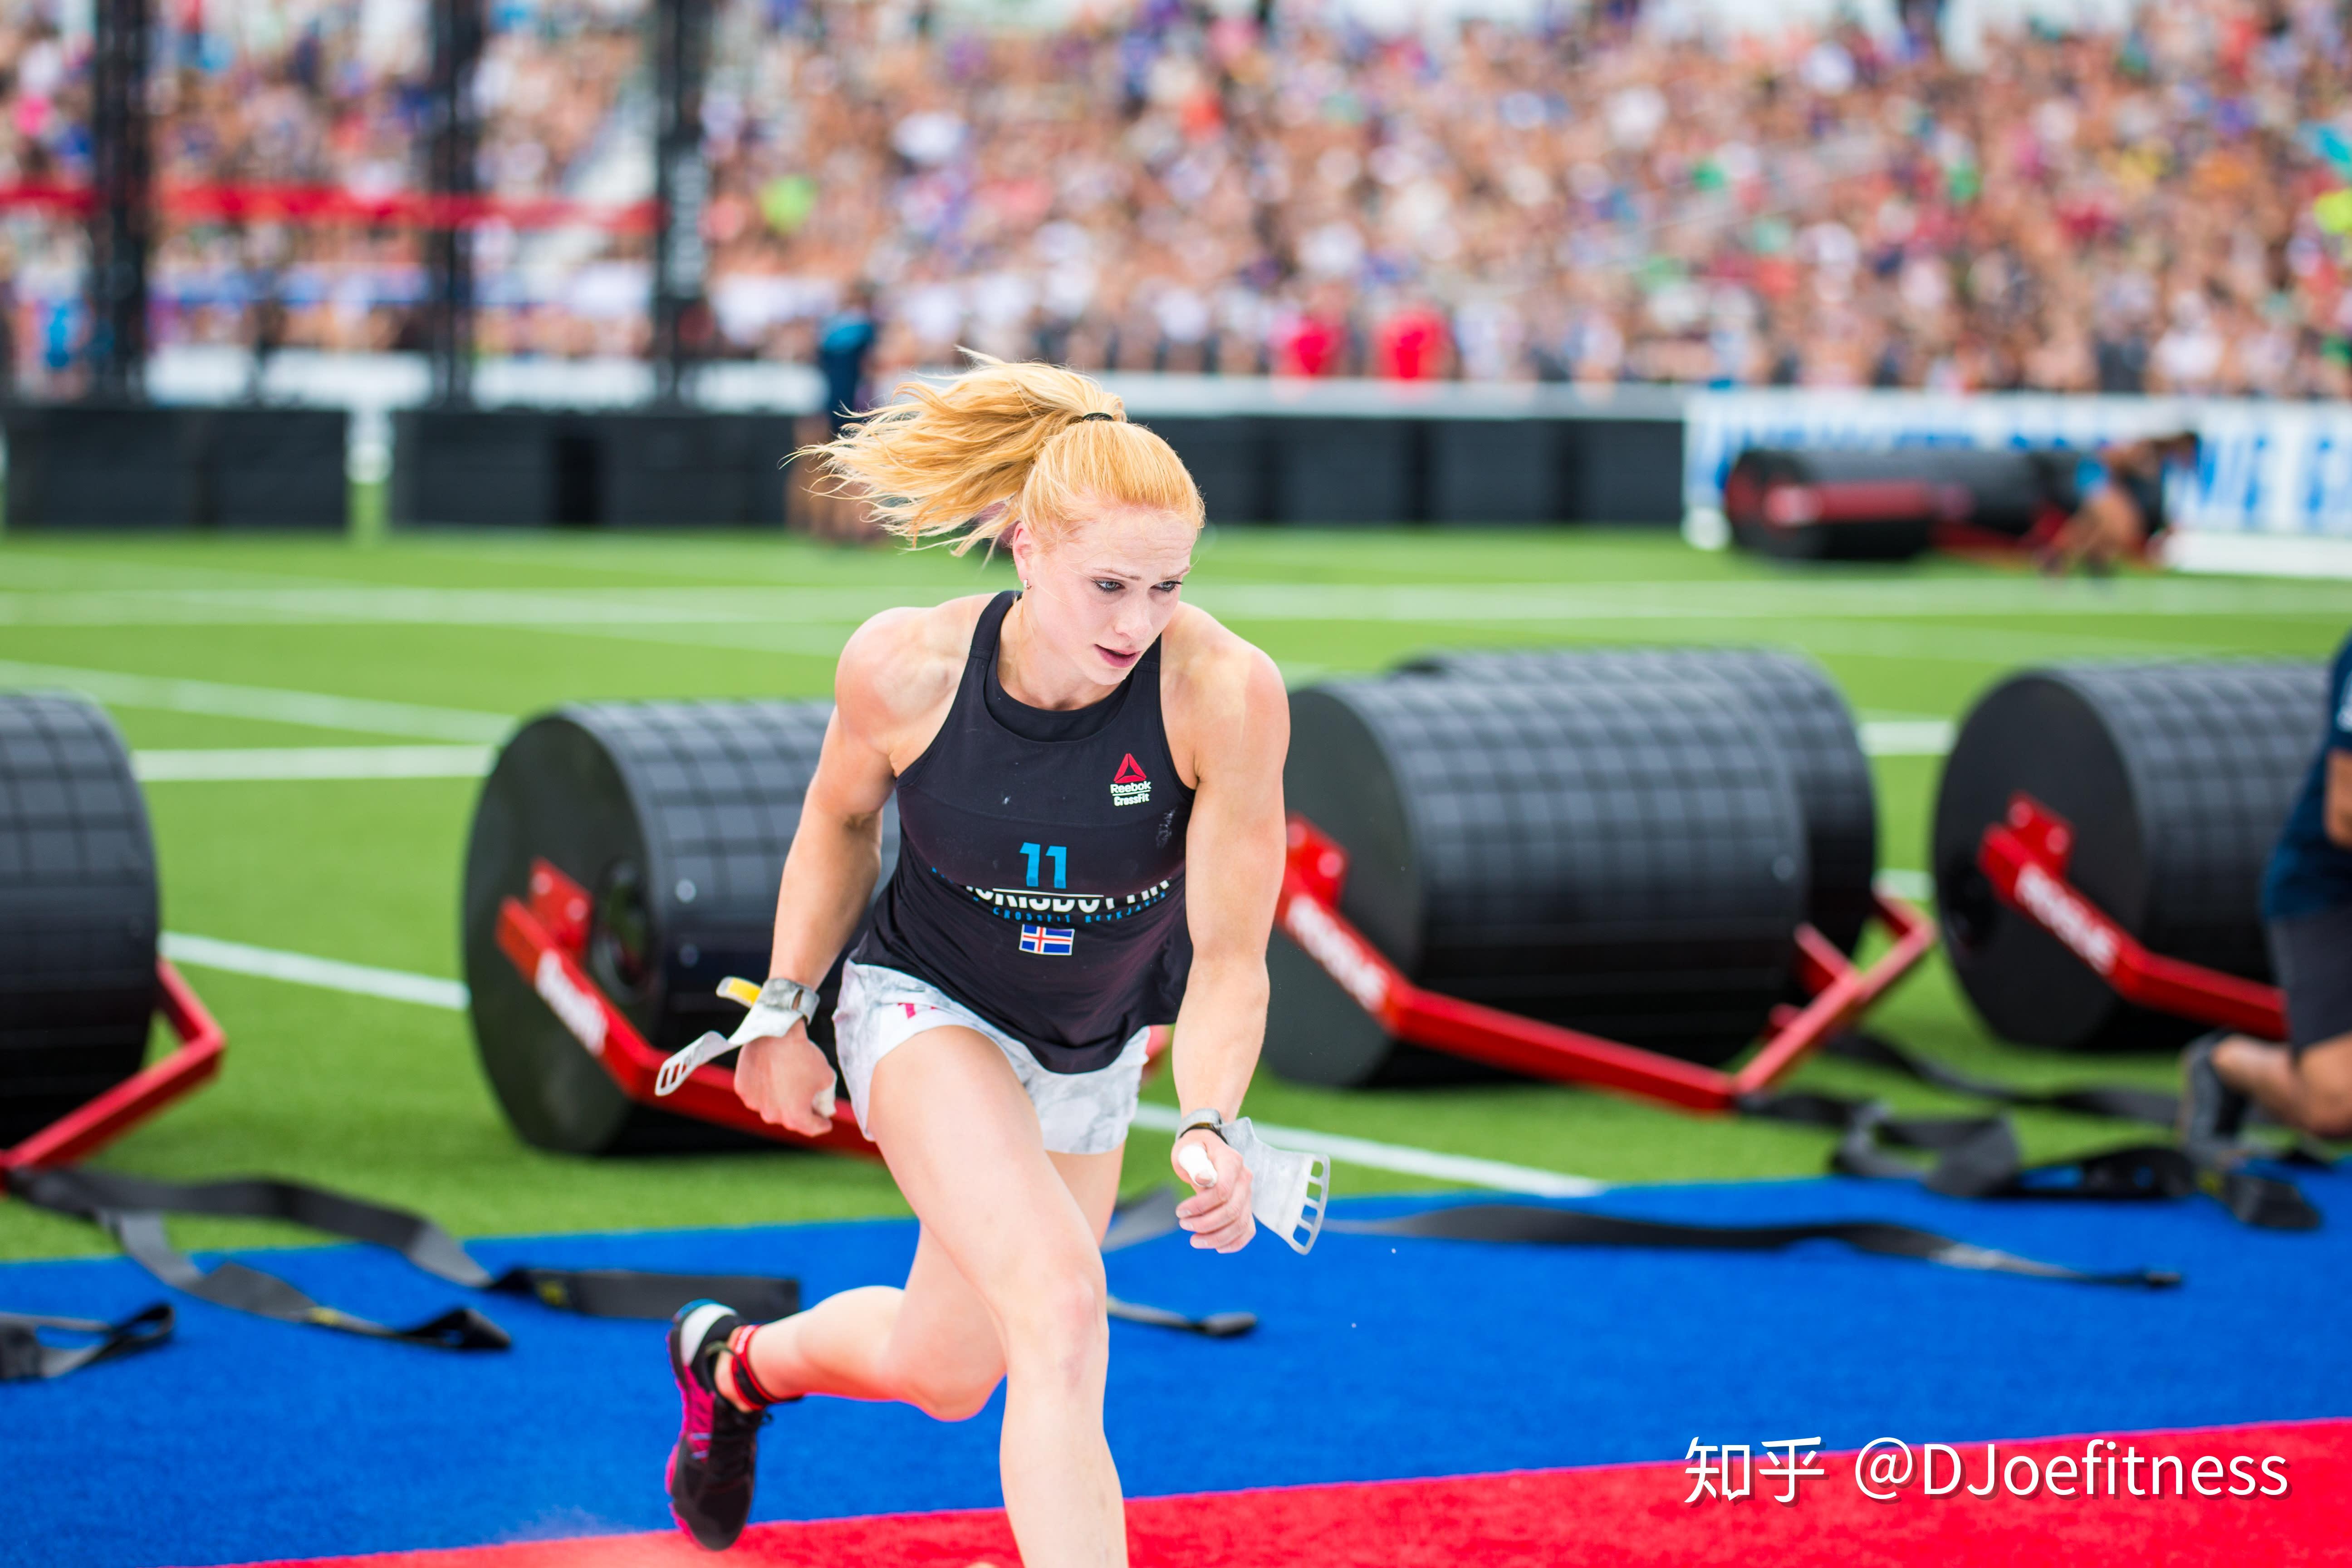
x: 747, y: 1382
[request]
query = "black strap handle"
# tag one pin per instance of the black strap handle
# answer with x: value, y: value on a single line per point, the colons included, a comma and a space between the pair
x: 1979, y: 1156
x: 26, y: 1356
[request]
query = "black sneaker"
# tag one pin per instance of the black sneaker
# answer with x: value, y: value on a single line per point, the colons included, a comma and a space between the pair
x: 718, y: 1443
x: 2212, y: 1112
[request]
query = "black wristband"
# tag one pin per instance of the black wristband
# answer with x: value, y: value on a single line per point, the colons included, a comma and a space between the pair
x: 1207, y: 1120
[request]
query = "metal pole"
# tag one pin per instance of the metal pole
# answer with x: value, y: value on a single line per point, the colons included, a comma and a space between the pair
x: 121, y: 216
x: 449, y: 252
x: 681, y: 192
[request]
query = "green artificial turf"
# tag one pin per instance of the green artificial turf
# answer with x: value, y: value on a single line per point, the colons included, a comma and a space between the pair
x: 384, y: 1097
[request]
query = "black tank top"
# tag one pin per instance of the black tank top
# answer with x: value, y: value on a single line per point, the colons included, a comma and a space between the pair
x: 1041, y: 873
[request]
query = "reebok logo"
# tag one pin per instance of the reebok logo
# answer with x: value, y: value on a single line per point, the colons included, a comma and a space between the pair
x: 1129, y: 786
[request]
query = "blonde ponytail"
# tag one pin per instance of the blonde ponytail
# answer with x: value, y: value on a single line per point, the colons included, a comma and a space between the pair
x: 1004, y: 442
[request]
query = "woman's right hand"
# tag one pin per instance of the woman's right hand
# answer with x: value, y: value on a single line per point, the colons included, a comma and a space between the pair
x: 786, y: 1079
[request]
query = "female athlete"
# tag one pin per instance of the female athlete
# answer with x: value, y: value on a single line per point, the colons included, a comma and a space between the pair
x: 1089, y: 783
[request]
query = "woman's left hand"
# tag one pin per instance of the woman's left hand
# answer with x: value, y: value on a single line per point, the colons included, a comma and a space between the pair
x: 1218, y: 1215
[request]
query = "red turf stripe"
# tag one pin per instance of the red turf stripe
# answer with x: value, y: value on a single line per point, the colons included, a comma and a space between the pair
x: 1607, y: 1515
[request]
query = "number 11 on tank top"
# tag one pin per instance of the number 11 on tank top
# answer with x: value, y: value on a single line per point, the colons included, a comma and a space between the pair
x: 1057, y: 853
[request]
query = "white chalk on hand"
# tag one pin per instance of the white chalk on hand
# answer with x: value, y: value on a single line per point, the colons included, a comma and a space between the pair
x: 1198, y: 1165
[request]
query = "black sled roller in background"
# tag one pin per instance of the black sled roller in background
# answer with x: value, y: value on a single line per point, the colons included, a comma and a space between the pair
x: 2177, y: 779
x: 676, y: 817
x: 1799, y: 706
x: 1885, y: 506
x: 79, y: 912
x: 1629, y: 861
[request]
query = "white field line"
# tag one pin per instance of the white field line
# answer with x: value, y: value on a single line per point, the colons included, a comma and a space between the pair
x: 1463, y: 1168
x: 575, y: 609
x: 1915, y: 886
x: 1905, y: 737
x: 1755, y: 600
x: 1975, y: 645
x: 1754, y: 626
x: 326, y: 973
x: 273, y: 763
x: 315, y: 709
x: 358, y: 979
x: 108, y: 572
x: 594, y: 609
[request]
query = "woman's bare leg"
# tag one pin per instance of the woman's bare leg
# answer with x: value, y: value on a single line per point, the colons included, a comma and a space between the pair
x: 1007, y: 1281
x: 2311, y: 1094
x: 2108, y: 529
x: 932, y: 1344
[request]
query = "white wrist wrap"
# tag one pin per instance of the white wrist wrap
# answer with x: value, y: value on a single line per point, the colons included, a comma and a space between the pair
x: 775, y: 1007
x: 779, y: 1004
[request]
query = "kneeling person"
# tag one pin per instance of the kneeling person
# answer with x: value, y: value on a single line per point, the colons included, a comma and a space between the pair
x: 2306, y: 1082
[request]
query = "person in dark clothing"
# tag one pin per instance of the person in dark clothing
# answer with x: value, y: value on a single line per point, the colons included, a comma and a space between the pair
x: 844, y: 344
x: 2304, y: 1081
x: 1089, y: 784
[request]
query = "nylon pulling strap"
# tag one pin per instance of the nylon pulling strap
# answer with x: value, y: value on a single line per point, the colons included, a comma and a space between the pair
x: 26, y: 1356
x: 131, y: 1209
x: 1144, y: 1218
x: 1979, y: 1156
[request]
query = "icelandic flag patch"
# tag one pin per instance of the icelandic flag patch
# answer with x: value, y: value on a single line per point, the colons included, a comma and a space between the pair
x: 1052, y: 942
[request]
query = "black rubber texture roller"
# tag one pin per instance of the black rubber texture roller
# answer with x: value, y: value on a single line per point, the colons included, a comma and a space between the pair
x: 79, y: 911
x: 676, y: 817
x: 1630, y: 861
x: 2177, y: 778
x: 2002, y: 490
x: 1798, y: 705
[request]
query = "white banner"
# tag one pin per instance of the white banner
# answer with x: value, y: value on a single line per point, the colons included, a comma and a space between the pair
x: 2263, y: 467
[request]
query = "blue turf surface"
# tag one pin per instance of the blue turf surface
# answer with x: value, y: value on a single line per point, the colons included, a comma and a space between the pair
x: 248, y: 1439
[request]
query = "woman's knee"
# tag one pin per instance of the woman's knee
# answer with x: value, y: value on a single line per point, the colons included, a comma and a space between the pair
x: 1055, y: 1320
x: 2326, y: 1069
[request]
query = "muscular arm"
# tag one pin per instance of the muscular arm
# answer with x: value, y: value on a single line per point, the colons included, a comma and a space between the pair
x: 2336, y: 815
x: 895, y: 677
x: 1239, y: 726
x: 836, y: 853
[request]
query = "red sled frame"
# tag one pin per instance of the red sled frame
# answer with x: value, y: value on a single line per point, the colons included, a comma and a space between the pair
x: 2026, y: 858
x: 90, y: 1127
x: 546, y: 937
x: 1316, y: 868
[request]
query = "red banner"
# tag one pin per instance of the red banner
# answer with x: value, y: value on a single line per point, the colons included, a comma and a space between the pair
x: 329, y: 203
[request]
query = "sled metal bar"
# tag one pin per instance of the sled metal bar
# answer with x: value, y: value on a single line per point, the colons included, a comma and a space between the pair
x: 90, y: 1127
x: 1315, y: 868
x: 2026, y: 858
x: 608, y: 1036
x: 1843, y: 991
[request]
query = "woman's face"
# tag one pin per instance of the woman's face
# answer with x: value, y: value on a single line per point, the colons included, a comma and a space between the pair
x: 1103, y: 589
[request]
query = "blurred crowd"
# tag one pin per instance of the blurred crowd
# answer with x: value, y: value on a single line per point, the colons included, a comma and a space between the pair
x: 1168, y: 187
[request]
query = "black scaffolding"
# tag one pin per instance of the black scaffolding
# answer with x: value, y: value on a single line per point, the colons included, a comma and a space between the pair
x: 681, y: 319
x: 449, y: 252
x: 122, y: 206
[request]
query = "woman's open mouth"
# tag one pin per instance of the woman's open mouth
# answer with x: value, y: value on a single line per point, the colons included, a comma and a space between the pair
x: 1114, y: 659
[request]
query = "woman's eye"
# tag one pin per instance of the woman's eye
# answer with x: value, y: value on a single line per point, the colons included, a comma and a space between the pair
x: 1108, y: 587
x: 1169, y: 586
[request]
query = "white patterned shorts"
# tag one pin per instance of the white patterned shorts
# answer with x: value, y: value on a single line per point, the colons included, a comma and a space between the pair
x: 881, y: 1009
